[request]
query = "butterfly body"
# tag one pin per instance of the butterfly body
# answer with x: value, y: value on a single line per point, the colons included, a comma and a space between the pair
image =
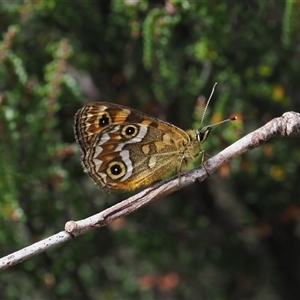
x: 123, y: 149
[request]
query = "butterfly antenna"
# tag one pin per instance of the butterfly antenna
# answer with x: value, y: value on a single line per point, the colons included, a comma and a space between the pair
x: 207, y: 103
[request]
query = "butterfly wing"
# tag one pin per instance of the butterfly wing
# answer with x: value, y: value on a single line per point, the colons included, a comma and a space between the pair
x: 124, y: 149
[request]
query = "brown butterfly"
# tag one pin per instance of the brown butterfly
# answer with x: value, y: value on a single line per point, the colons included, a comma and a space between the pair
x: 124, y: 149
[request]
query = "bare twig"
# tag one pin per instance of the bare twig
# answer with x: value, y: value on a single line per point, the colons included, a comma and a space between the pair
x: 287, y: 125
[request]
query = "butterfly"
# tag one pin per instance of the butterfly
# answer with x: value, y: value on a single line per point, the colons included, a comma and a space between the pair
x: 124, y: 149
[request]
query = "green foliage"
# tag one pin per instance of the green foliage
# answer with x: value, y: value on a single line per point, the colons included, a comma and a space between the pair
x: 234, y: 236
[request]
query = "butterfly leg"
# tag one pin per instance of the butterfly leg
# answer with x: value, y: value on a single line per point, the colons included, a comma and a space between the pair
x: 207, y: 173
x: 203, y: 162
x: 180, y: 168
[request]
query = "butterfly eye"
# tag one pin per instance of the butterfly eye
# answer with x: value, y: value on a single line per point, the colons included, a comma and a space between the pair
x: 129, y: 131
x: 204, y: 133
x: 116, y: 170
x: 104, y: 120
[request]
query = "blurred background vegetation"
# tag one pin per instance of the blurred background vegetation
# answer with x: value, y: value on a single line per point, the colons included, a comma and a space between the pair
x: 234, y: 236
